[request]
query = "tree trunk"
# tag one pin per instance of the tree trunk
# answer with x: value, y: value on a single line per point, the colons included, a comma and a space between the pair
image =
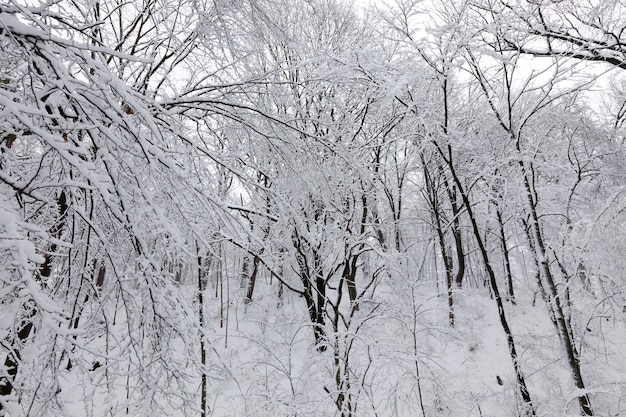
x: 202, y: 281
x: 252, y: 279
x: 521, y: 382
x: 433, y: 200
x: 507, y: 258
x: 563, y: 326
x: 26, y: 326
x: 314, y: 292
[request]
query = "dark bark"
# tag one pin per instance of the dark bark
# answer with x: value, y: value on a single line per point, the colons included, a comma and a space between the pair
x: 14, y: 356
x: 349, y: 276
x: 507, y: 258
x: 447, y: 263
x: 521, y: 382
x: 202, y: 281
x: 314, y: 292
x: 458, y: 244
x: 452, y: 191
x: 27, y: 326
x: 98, y: 274
x: 252, y: 279
x: 433, y: 200
x: 563, y: 325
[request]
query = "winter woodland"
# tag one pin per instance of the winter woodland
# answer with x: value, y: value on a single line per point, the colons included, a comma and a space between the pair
x: 312, y: 208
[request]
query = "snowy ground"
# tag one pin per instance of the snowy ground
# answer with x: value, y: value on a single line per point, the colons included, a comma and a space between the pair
x: 403, y: 359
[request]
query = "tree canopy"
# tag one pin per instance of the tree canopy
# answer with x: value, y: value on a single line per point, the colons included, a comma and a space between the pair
x: 312, y: 208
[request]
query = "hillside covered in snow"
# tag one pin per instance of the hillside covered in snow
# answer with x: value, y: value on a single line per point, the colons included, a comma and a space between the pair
x: 312, y: 208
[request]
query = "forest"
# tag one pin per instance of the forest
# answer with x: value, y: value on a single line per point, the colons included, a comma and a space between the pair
x: 312, y: 208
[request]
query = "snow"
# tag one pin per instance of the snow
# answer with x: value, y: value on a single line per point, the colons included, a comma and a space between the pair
x: 133, y: 192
